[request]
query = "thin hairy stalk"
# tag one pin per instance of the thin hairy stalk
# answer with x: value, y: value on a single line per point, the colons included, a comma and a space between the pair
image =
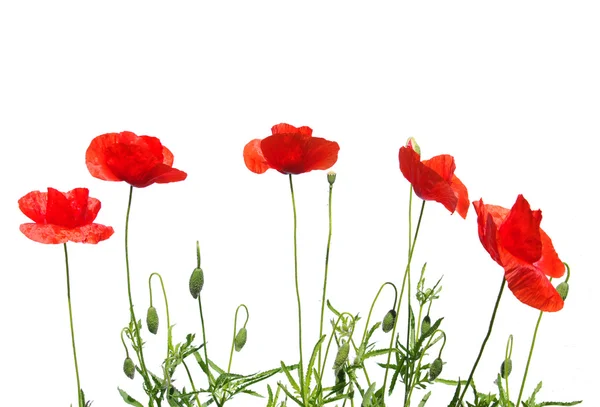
x: 138, y: 337
x: 192, y: 383
x: 301, y: 364
x: 235, y: 332
x: 169, y: 338
x: 487, y: 336
x: 325, y: 277
x: 406, y: 271
x: 537, y: 325
x: 79, y: 398
x: 413, y: 384
x: 373, y: 305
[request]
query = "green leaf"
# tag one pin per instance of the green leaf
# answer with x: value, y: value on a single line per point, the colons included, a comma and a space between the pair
x: 290, y: 395
x: 424, y: 399
x: 290, y: 379
x: 454, y: 402
x: 337, y: 314
x: 366, y: 402
x: 311, y: 363
x: 128, y: 399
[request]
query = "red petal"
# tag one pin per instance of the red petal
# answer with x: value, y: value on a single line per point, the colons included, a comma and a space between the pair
x: 68, y: 209
x: 161, y: 174
x: 462, y: 206
x: 489, y: 218
x: 520, y: 232
x: 549, y: 263
x: 428, y: 184
x: 95, y: 156
x: 33, y: 205
x: 168, y: 157
x: 533, y: 288
x: 253, y: 157
x: 284, y: 128
x: 320, y: 154
x: 53, y: 234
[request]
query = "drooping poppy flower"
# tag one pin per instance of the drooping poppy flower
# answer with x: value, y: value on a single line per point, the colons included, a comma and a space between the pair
x: 514, y: 239
x: 61, y: 217
x: 434, y: 179
x: 138, y: 160
x: 290, y: 150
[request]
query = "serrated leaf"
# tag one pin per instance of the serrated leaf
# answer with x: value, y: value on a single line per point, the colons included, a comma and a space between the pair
x: 290, y: 379
x: 454, y: 401
x: 311, y: 363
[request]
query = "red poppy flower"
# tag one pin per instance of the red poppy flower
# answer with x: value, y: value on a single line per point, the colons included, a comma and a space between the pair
x: 138, y: 160
x: 61, y: 217
x: 513, y: 238
x: 290, y: 150
x: 434, y: 180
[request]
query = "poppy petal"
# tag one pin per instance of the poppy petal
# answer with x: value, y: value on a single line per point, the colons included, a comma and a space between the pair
x: 253, y: 157
x: 95, y: 156
x: 284, y: 153
x: 549, y: 263
x: 533, y: 288
x: 53, y: 234
x: 489, y: 218
x: 320, y: 154
x: 284, y: 128
x: 33, y: 205
x: 520, y: 232
x: 462, y: 205
x: 427, y: 183
x: 161, y: 174
x: 443, y: 165
x: 168, y: 157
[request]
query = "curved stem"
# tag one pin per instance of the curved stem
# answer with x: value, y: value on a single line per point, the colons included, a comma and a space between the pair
x: 333, y: 335
x: 537, y: 325
x: 325, y: 277
x: 487, y: 336
x: 413, y: 383
x: 301, y: 364
x: 507, y: 356
x: 123, y: 341
x: 373, y: 305
x: 79, y: 398
x: 138, y: 337
x: 235, y: 331
x: 406, y: 271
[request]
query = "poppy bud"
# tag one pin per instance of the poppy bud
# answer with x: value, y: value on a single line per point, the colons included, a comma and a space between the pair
x: 152, y: 320
x: 505, y: 368
x: 388, y: 321
x: 240, y: 339
x: 331, y: 177
x: 340, y: 380
x: 341, y: 356
x: 425, y: 325
x: 412, y: 143
x: 196, y: 282
x: 129, y: 368
x: 435, y: 369
x: 563, y: 290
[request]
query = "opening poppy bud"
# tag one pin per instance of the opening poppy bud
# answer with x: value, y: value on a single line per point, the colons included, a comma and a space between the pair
x: 412, y: 143
x: 388, y: 321
x: 505, y: 368
x: 152, y: 320
x: 340, y: 380
x: 240, y: 339
x: 435, y: 369
x: 342, y: 356
x: 425, y: 325
x: 196, y: 282
x: 331, y: 177
x: 563, y: 290
x: 129, y: 368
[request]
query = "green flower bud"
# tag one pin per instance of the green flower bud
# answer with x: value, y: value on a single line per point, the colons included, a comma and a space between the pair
x: 331, y: 177
x: 341, y: 356
x: 388, y: 321
x: 152, y: 320
x: 240, y: 339
x: 435, y: 369
x: 196, y: 282
x: 129, y: 368
x: 412, y: 143
x: 340, y: 380
x: 425, y: 325
x: 505, y: 368
x: 563, y: 290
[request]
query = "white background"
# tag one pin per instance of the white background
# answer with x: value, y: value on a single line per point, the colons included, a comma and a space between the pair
x: 509, y: 88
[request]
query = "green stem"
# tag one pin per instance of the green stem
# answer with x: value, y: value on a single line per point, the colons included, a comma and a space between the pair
x: 413, y: 383
x: 406, y: 271
x: 507, y: 356
x: 79, y: 398
x: 537, y: 325
x: 192, y: 383
x: 325, y: 277
x: 301, y: 364
x: 169, y: 338
x: 373, y: 305
x: 138, y: 337
x: 487, y: 336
